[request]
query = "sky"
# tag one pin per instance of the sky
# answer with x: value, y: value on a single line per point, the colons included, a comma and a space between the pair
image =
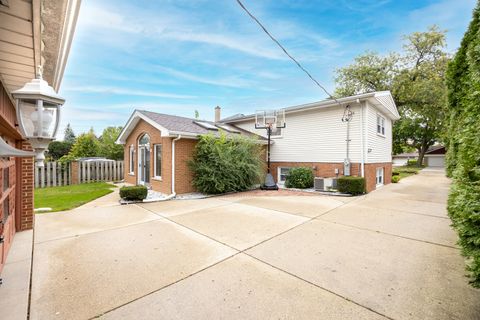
x: 178, y: 56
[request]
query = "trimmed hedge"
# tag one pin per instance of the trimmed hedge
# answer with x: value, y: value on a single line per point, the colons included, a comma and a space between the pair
x: 226, y: 163
x: 463, y: 145
x: 133, y: 193
x: 395, y: 178
x: 300, y: 178
x: 352, y: 185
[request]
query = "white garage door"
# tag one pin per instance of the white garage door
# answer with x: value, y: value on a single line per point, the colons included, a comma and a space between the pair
x: 436, y: 161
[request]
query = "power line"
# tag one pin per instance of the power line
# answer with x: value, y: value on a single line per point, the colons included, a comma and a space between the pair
x: 286, y: 52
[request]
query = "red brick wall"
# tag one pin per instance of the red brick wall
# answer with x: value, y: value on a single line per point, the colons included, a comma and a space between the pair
x: 322, y: 169
x: 163, y: 185
x: 183, y: 176
x: 27, y: 190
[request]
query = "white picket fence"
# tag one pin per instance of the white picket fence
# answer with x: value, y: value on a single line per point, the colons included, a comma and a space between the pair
x: 58, y: 174
x: 90, y: 171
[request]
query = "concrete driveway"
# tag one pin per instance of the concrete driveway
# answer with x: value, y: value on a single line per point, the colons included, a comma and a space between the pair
x: 388, y: 255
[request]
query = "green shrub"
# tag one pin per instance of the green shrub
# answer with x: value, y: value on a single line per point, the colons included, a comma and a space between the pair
x: 352, y: 185
x: 463, y: 145
x: 395, y: 173
x: 133, y: 193
x: 412, y: 162
x: 395, y: 178
x: 300, y: 178
x: 226, y: 163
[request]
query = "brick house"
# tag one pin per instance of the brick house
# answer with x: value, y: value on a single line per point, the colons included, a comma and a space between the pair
x: 32, y: 33
x: 157, y: 146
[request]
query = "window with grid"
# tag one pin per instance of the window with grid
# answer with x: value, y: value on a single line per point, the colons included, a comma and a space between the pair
x: 380, y: 125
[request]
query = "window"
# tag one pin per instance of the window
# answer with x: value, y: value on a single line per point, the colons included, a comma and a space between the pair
x: 276, y: 132
x: 282, y: 174
x: 157, y: 161
x: 380, y: 176
x: 6, y: 209
x: 6, y: 178
x: 132, y: 159
x: 380, y: 125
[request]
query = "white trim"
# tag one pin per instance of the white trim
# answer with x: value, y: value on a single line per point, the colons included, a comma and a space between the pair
x: 279, y: 174
x: 133, y: 121
x: 173, y: 163
x: 382, y: 175
x: 382, y: 126
x: 131, y: 156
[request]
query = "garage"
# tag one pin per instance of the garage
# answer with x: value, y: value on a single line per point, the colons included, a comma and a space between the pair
x: 435, y: 157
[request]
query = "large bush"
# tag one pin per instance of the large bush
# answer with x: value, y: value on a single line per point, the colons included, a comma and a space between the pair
x: 352, y: 185
x: 133, y: 193
x: 301, y: 178
x: 463, y: 145
x: 226, y: 163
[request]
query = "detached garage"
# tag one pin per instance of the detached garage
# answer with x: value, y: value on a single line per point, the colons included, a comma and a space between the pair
x: 435, y: 157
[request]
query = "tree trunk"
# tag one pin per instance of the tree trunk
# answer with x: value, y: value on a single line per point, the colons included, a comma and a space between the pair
x: 421, y: 155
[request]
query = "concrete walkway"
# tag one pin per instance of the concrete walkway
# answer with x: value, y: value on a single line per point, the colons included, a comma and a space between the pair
x: 388, y: 255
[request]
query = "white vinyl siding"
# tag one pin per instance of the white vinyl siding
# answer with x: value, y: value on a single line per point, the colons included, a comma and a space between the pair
x: 315, y: 136
x: 378, y: 146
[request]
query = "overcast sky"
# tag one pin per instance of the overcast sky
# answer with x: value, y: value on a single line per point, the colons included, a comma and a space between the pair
x: 178, y: 56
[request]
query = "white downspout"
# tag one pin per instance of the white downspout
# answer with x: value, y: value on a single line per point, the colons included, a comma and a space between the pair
x: 362, y: 124
x: 173, y: 165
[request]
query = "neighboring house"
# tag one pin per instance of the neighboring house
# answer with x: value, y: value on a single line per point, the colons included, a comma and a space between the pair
x: 158, y: 146
x: 401, y: 159
x: 315, y: 137
x: 435, y: 156
x: 32, y: 33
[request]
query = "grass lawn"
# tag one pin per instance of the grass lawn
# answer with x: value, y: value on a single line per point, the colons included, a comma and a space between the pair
x: 406, y: 171
x: 69, y: 197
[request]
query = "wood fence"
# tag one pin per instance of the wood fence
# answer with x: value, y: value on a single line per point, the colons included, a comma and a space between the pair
x: 61, y: 174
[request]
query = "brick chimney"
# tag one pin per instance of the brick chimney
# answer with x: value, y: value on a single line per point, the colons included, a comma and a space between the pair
x: 218, y: 111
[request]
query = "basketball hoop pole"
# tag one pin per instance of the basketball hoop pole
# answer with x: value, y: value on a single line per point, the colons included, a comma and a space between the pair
x: 268, y: 124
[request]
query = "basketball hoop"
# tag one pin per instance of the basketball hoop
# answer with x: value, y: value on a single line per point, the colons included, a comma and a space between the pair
x: 272, y: 120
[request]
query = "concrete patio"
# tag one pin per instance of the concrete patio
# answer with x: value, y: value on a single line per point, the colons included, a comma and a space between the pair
x: 388, y: 255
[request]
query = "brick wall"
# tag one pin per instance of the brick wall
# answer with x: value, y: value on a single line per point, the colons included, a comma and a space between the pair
x: 164, y: 185
x: 183, y: 176
x: 27, y: 187
x: 322, y: 169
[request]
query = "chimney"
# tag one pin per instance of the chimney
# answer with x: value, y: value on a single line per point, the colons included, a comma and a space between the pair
x: 218, y: 111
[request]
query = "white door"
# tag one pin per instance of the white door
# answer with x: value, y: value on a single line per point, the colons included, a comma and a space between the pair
x: 380, y: 177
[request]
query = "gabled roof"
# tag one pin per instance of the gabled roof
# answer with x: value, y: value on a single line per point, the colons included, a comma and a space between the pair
x: 172, y: 126
x: 439, y: 149
x: 380, y: 99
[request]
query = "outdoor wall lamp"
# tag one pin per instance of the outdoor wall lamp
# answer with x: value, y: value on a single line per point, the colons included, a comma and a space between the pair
x: 38, y: 114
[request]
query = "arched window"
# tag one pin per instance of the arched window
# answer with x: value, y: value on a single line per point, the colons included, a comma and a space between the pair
x: 144, y: 140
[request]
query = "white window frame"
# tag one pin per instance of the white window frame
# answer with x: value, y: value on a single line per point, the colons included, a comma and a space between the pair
x: 381, y: 125
x: 279, y: 174
x: 277, y: 134
x: 380, y: 176
x: 131, y: 160
x: 155, y: 146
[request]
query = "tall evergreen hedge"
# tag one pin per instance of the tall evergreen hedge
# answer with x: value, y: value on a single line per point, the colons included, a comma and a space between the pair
x: 463, y: 156
x: 226, y: 163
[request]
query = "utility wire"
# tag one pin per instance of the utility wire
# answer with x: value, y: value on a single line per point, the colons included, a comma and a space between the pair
x: 286, y: 52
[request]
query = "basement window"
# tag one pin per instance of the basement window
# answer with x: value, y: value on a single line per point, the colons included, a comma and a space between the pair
x: 282, y: 174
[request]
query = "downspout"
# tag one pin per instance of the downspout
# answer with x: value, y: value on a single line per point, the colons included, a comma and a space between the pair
x: 173, y: 165
x: 362, y: 124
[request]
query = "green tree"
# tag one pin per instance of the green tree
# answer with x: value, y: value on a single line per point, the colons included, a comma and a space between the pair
x: 369, y: 72
x: 86, y: 145
x: 463, y: 145
x: 416, y: 79
x: 58, y: 149
x: 108, y: 147
x: 69, y: 135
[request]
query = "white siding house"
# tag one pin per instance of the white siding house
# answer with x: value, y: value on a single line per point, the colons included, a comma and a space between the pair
x: 315, y: 135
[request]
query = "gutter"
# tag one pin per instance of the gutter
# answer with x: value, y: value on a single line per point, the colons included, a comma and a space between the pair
x: 173, y: 165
